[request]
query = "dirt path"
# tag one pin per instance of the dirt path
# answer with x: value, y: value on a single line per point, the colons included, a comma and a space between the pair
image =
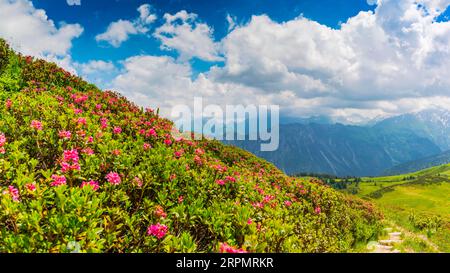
x: 387, y: 246
x: 395, y: 239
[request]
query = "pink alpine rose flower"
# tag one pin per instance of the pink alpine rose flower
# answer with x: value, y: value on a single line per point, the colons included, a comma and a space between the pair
x: 113, y: 178
x: 71, y: 156
x: 2, y: 140
x: 225, y: 248
x: 104, y: 123
x: 64, y: 134
x: 81, y: 121
x: 158, y: 230
x: 230, y: 179
x: 220, y: 182
x: 13, y: 192
x: 151, y: 133
x: 168, y: 141
x: 138, y: 182
x: 8, y: 103
x: 147, y: 146
x: 93, y: 184
x: 87, y: 151
x: 31, y: 186
x: 117, y: 130
x: 37, y: 125
x: 159, y: 212
x: 58, y: 180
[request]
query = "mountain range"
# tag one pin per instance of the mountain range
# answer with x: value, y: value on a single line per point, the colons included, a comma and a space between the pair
x: 416, y: 139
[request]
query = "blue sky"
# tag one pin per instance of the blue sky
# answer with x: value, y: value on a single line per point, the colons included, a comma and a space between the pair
x: 351, y: 61
x: 95, y: 17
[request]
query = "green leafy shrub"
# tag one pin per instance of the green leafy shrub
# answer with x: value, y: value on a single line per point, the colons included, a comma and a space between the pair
x: 83, y: 170
x: 4, y: 55
x: 429, y: 223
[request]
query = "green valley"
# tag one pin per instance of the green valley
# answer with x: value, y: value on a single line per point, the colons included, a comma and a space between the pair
x: 418, y: 203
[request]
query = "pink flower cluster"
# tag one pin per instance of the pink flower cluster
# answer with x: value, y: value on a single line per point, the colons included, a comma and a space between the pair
x: 159, y: 212
x: 226, y: 180
x: 2, y: 143
x: 225, y: 248
x: 179, y: 153
x: 93, y: 184
x: 220, y: 168
x: 87, y: 151
x: 268, y: 198
x: 58, y: 180
x: 117, y: 130
x: 147, y: 146
x: 70, y: 161
x: 64, y: 134
x: 81, y: 121
x: 168, y: 141
x: 13, y: 192
x: 230, y: 179
x: 37, y: 125
x: 137, y: 181
x: 220, y: 182
x: 317, y: 210
x: 151, y: 133
x: 8, y: 103
x: 79, y: 98
x: 113, y: 178
x: 158, y: 230
x: 31, y: 186
x: 104, y: 123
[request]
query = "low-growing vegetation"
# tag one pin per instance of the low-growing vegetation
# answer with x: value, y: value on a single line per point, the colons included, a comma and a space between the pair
x: 418, y: 202
x: 85, y: 170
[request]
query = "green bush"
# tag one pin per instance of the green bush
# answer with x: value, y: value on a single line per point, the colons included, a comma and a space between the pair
x: 429, y: 223
x: 83, y: 170
x: 4, y: 55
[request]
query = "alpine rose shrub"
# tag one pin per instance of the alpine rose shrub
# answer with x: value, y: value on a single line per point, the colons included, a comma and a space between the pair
x: 83, y: 166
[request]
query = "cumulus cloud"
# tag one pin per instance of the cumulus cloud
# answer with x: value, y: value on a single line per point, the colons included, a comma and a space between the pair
x: 31, y: 32
x: 74, y: 2
x: 190, y: 38
x: 163, y: 82
x: 231, y: 20
x: 95, y: 66
x: 97, y: 71
x: 389, y: 61
x: 119, y: 31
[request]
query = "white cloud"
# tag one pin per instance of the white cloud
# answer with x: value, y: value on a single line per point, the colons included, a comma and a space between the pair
x: 31, y: 32
x: 74, y: 2
x: 183, y: 32
x: 231, y: 20
x: 95, y: 66
x: 97, y: 71
x: 389, y: 61
x: 119, y: 31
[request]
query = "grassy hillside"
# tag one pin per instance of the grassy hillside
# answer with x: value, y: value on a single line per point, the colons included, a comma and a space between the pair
x: 418, y: 202
x: 82, y: 170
